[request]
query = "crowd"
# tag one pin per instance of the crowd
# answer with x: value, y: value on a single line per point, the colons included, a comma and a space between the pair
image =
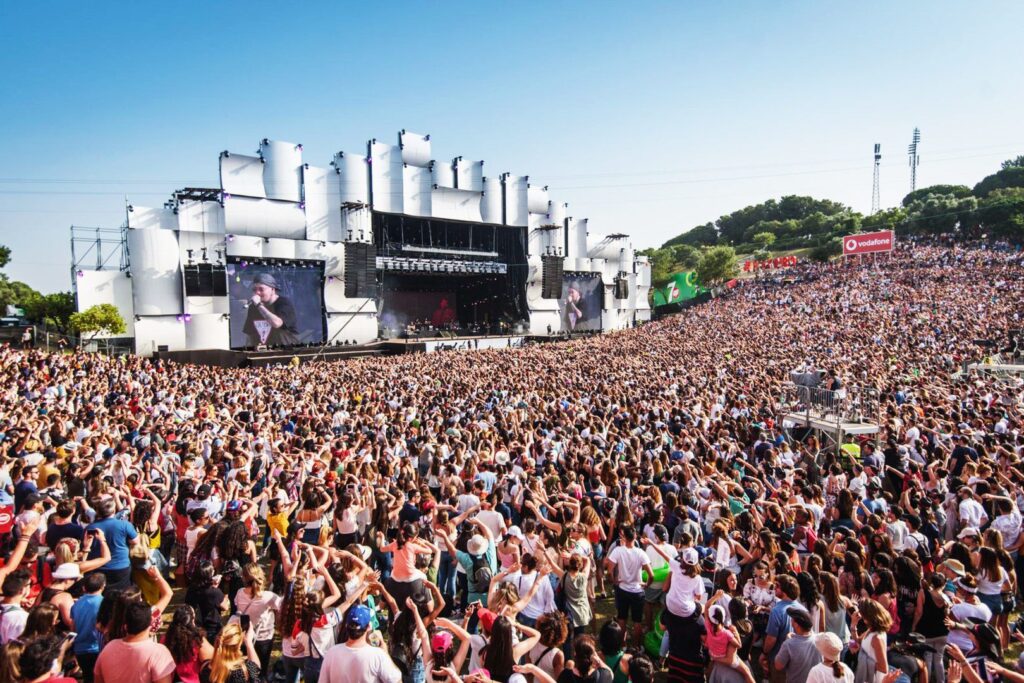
x: 612, y: 509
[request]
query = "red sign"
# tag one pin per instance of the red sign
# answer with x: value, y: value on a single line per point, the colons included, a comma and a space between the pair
x: 868, y: 243
x: 6, y: 518
x: 777, y: 262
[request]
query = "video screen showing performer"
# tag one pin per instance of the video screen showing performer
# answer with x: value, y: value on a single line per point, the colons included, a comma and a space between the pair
x: 275, y: 305
x: 580, y: 304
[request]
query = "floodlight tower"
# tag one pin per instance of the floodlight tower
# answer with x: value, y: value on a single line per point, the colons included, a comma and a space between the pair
x: 875, y: 198
x: 914, y: 159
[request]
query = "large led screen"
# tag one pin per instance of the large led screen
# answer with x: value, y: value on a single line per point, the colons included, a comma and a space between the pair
x: 580, y: 304
x: 275, y: 304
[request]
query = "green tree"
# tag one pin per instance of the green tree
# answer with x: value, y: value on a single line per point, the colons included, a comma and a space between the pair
x: 14, y: 293
x: 950, y: 190
x: 1009, y: 176
x: 764, y: 240
x: 98, y: 319
x: 826, y: 251
x: 52, y: 309
x: 887, y: 219
x: 1001, y: 213
x: 716, y: 265
x: 700, y: 236
x: 684, y: 256
x: 5, y: 255
x: 1016, y: 162
x: 939, y: 214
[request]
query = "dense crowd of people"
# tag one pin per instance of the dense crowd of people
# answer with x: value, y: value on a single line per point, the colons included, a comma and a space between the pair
x: 609, y: 509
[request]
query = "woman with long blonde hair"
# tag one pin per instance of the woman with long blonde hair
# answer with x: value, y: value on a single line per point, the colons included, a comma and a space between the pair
x: 258, y: 607
x: 229, y: 664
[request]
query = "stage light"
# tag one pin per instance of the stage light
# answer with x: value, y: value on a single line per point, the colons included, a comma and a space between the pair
x: 230, y: 238
x: 80, y: 273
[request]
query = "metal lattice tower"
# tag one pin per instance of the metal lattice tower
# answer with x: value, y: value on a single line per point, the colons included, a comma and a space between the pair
x: 915, y: 160
x: 875, y: 196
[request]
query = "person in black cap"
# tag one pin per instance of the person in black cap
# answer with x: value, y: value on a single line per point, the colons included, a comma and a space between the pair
x: 266, y: 305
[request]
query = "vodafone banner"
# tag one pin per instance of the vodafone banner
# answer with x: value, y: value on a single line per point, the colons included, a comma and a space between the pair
x: 868, y: 243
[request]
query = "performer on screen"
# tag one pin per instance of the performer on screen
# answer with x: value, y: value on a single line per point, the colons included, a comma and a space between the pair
x: 270, y: 319
x: 571, y: 313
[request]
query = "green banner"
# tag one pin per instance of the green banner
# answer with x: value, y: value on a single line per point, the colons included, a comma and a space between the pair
x: 681, y: 287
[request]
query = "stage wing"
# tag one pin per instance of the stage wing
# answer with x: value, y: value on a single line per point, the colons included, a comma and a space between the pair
x: 264, y: 218
x: 415, y: 149
x: 282, y: 170
x: 490, y: 205
x: 416, y: 186
x: 459, y: 205
x: 241, y: 175
x: 108, y: 287
x: 207, y: 331
x: 154, y: 259
x: 386, y: 177
x: 152, y: 332
x: 322, y: 195
x: 353, y: 177
x: 143, y: 218
x: 470, y: 174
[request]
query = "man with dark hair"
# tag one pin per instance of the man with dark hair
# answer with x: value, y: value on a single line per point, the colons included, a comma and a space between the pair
x: 798, y: 655
x: 136, y: 658
x: 16, y: 587
x: 61, y: 526
x: 355, y: 660
x: 40, y: 661
x: 787, y: 590
x: 120, y: 536
x: 627, y: 562
x: 270, y: 318
x: 83, y: 614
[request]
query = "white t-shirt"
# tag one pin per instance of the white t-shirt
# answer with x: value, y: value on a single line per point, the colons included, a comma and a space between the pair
x: 971, y: 513
x: 962, y: 612
x: 366, y: 664
x: 261, y: 612
x: 493, y: 521
x: 1009, y: 527
x: 684, y: 592
x: 629, y: 563
x: 822, y: 673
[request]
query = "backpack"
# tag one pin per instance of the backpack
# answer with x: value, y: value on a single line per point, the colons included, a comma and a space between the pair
x: 480, y: 574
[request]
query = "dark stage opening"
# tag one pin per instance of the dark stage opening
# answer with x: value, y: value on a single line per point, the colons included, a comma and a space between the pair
x: 417, y: 304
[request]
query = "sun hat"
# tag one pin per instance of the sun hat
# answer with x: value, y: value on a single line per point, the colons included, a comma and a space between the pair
x: 828, y: 645
x: 441, y: 641
x: 477, y: 545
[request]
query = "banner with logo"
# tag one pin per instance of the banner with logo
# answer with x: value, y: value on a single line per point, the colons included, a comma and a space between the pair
x: 869, y: 243
x: 681, y: 287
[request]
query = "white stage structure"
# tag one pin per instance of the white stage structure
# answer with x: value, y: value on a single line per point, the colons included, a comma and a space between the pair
x: 272, y: 205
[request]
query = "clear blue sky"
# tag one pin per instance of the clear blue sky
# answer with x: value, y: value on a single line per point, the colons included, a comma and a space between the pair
x: 646, y: 117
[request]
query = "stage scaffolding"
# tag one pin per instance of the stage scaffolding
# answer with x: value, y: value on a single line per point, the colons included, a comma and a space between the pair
x: 832, y: 416
x: 97, y: 249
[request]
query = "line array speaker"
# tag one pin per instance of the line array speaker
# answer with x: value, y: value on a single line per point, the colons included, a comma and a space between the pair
x: 621, y: 288
x: 191, y: 274
x: 551, y: 282
x: 360, y: 270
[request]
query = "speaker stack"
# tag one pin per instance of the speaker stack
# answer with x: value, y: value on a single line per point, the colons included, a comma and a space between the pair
x: 360, y: 270
x: 551, y: 282
x: 191, y: 274
x: 621, y: 288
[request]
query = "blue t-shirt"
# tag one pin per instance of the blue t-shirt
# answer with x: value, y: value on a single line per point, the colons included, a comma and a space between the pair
x: 778, y: 624
x: 118, y: 533
x: 83, y: 614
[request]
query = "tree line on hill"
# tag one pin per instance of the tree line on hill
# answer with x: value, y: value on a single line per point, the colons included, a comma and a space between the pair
x: 993, y: 208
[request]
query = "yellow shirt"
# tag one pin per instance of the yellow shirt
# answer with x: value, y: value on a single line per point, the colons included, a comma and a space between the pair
x: 45, y: 470
x: 279, y: 523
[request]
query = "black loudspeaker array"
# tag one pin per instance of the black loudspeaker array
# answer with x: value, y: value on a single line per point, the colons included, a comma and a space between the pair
x: 205, y: 279
x: 191, y: 274
x: 551, y: 284
x: 621, y: 288
x: 360, y: 270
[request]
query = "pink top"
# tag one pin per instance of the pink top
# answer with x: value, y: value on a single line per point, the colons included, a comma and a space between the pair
x: 717, y: 643
x: 403, y: 561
